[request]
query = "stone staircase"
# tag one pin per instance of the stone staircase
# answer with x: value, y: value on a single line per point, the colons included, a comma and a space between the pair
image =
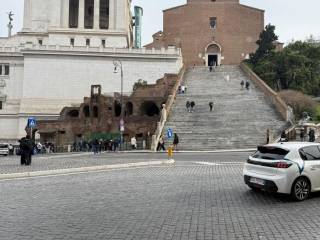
x: 240, y: 118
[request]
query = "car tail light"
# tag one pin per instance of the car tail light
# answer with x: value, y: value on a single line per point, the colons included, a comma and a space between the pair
x: 283, y: 165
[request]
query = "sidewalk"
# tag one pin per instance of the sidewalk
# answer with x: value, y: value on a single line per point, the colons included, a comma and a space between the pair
x: 46, y: 165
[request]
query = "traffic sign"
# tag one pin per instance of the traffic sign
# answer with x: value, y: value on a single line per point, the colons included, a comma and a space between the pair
x: 169, y: 133
x: 32, y: 122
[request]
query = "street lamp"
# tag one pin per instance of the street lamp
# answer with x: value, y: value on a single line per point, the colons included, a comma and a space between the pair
x: 118, y: 64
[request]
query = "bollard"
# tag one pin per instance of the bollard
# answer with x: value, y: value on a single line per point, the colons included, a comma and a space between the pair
x: 170, y: 152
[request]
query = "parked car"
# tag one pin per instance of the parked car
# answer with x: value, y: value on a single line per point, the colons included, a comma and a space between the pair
x: 4, y: 149
x: 289, y: 167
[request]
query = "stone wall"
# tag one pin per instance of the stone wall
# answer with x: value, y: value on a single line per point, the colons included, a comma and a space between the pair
x: 100, y: 114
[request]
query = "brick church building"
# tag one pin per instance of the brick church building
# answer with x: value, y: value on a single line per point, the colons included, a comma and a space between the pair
x: 211, y: 31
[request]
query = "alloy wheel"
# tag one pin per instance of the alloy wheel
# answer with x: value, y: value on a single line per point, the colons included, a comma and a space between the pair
x: 301, y: 189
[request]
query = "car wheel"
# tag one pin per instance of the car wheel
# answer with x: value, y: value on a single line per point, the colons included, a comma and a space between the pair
x: 300, y: 189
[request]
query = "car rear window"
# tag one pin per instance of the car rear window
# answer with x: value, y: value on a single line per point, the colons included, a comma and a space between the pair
x: 270, y: 153
x: 3, y: 145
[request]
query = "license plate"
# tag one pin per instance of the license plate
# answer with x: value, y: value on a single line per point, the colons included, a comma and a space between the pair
x: 257, y: 181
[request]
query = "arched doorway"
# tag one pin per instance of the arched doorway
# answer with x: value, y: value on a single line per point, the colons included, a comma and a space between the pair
x: 213, y: 54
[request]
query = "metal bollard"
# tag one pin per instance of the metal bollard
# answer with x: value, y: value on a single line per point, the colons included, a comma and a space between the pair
x: 170, y: 152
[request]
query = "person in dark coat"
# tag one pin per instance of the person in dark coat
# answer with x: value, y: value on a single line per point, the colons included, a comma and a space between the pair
x: 22, y: 145
x: 175, y: 141
x: 26, y: 148
x: 242, y: 84
x: 312, y: 136
x: 247, y: 85
x: 211, y: 106
x: 192, y: 105
x: 283, y: 137
x: 188, y: 106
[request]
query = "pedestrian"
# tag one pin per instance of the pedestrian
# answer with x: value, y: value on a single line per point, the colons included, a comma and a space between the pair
x: 211, y: 106
x: 26, y: 150
x: 192, y: 105
x: 175, y: 142
x: 210, y: 68
x: 188, y: 106
x: 95, y: 146
x: 179, y: 89
x: 161, y: 144
x: 268, y: 136
x: 311, y: 134
x: 133, y: 143
x: 247, y: 85
x: 283, y: 137
x: 302, y: 135
x: 183, y: 89
x: 242, y: 84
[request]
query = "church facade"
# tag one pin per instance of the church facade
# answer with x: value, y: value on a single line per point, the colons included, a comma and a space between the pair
x: 211, y: 31
x: 66, y: 46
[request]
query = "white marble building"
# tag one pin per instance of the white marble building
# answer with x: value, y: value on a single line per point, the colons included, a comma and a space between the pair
x: 65, y: 46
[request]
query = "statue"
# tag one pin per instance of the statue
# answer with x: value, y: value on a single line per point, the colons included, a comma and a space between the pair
x: 10, y: 15
x: 10, y: 26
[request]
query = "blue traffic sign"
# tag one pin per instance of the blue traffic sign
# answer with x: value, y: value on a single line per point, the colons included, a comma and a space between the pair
x: 32, y: 122
x: 169, y: 133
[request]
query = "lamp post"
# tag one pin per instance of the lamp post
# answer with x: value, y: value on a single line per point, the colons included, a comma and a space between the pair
x: 118, y: 64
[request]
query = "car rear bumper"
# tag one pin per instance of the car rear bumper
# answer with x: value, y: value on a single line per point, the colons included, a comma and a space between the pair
x: 279, y: 180
x: 268, y: 186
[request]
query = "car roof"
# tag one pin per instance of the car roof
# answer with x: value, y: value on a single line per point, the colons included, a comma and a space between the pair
x: 292, y: 145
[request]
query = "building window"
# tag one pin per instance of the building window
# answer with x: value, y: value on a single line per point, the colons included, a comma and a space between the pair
x: 213, y: 22
x: 72, y: 42
x: 1, y: 107
x: 88, y: 13
x: 40, y: 42
x: 73, y: 13
x: 103, y: 43
x: 104, y: 14
x: 6, y: 70
x: 0, y: 70
x: 88, y: 42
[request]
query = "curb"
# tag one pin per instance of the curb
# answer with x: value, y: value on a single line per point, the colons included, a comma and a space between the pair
x: 82, y: 169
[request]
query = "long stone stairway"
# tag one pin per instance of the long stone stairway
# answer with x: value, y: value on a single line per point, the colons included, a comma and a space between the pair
x: 240, y: 117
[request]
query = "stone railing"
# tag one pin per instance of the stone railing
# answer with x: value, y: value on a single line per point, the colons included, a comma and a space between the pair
x: 276, y: 100
x: 166, y: 111
x: 34, y: 47
x: 162, y: 51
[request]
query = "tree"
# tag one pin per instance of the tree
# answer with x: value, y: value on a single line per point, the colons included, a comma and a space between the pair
x: 265, y: 43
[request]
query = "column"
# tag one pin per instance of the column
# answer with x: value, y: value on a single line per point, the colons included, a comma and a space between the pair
x: 27, y: 15
x: 112, y: 15
x: 81, y: 14
x: 65, y: 14
x: 96, y: 20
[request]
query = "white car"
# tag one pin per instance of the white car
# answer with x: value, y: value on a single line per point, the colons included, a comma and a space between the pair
x: 4, y: 149
x: 289, y: 167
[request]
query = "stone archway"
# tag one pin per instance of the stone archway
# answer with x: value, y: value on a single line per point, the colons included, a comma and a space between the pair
x: 213, y: 54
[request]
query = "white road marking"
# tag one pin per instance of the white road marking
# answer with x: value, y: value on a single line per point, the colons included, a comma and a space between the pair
x: 219, y: 164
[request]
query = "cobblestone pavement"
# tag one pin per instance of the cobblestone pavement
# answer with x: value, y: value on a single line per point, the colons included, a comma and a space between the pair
x: 62, y: 161
x: 201, y: 197
x: 52, y: 162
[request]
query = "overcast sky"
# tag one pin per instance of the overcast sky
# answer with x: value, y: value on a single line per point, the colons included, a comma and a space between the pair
x: 294, y: 19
